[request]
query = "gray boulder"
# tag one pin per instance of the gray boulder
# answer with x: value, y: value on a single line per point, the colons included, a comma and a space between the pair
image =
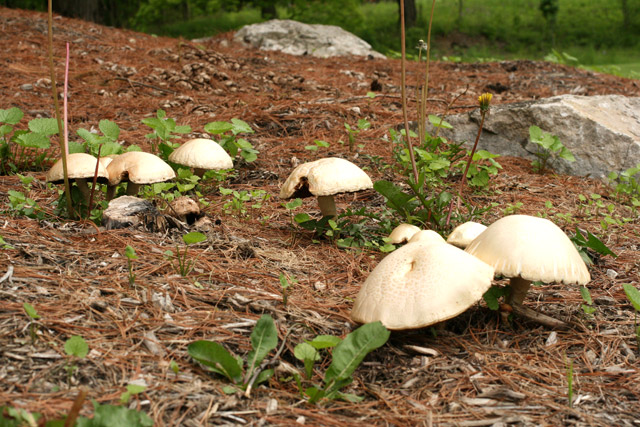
x: 296, y: 38
x: 602, y: 132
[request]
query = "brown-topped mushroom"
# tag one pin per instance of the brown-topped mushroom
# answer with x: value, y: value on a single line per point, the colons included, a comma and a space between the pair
x: 325, y: 178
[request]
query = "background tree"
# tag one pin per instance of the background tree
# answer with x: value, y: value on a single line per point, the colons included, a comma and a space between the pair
x: 410, y: 12
x: 549, y: 9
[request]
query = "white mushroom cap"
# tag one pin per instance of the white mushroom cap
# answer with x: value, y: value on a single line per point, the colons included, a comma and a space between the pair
x: 531, y: 248
x: 325, y: 177
x: 421, y: 284
x: 79, y: 166
x: 201, y: 153
x: 402, y: 233
x: 464, y: 234
x: 427, y: 236
x: 140, y: 168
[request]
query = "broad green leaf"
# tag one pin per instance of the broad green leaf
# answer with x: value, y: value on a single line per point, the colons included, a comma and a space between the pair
x: 11, y: 116
x: 33, y: 140
x: 264, y: 338
x: 109, y: 129
x: 593, y: 243
x: 31, y: 312
x: 364, y: 124
x: 216, y: 128
x: 396, y: 198
x: 216, y: 358
x: 264, y: 376
x: 132, y: 389
x: 492, y: 296
x: 75, y: 147
x: 350, y: 397
x: 240, y: 126
x: 567, y: 155
x: 325, y: 341
x: 194, y: 237
x: 111, y: 415
x: 293, y: 204
x: 321, y: 143
x: 76, y: 346
x: 535, y: 133
x: 311, y: 147
x: 44, y: 126
x: 5, y: 129
x: 301, y: 217
x: 182, y: 129
x: 436, y: 122
x: 307, y: 354
x: 348, y: 355
x: 586, y: 296
x: 633, y: 294
x: 371, y: 95
x: 109, y: 148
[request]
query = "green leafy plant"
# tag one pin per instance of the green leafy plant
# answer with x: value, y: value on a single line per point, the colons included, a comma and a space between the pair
x: 112, y: 415
x: 494, y: 294
x: 4, y: 244
x: 228, y: 133
x: 583, y: 243
x: 317, y: 144
x: 482, y: 167
x: 237, y: 203
x: 627, y: 185
x: 243, y: 376
x: 130, y: 253
x: 549, y: 148
x: 132, y: 390
x: 164, y: 130
x: 569, y: 365
x: 512, y: 208
x: 634, y: 298
x: 345, y: 359
x: 23, y: 205
x: 76, y: 348
x: 180, y: 262
x: 587, y: 307
x: 107, y: 143
x: 33, y: 325
x: 354, y: 131
x: 23, y: 149
x: 286, y: 282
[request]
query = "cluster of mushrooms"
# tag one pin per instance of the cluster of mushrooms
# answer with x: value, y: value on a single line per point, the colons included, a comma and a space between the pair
x: 430, y: 280
x: 138, y: 168
x: 426, y: 281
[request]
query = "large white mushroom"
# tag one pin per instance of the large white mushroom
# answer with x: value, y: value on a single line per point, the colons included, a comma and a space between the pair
x: 202, y: 155
x: 325, y: 178
x: 137, y: 168
x: 402, y: 233
x: 80, y: 166
x: 421, y: 284
x: 464, y: 234
x: 526, y: 249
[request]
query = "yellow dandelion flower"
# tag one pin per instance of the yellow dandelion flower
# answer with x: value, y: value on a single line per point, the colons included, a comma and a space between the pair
x: 484, y: 100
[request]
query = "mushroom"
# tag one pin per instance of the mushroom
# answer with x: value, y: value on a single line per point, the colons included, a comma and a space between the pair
x: 402, y: 233
x: 325, y: 178
x: 427, y: 236
x: 137, y: 168
x: 202, y: 155
x: 525, y: 249
x: 421, y: 284
x: 80, y: 166
x: 464, y: 234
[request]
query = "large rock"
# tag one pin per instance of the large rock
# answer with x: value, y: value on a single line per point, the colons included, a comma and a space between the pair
x: 296, y: 38
x: 602, y: 132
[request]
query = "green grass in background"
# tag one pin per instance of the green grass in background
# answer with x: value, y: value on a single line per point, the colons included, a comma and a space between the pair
x: 590, y: 30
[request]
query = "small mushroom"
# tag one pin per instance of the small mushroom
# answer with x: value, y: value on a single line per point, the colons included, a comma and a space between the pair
x: 402, y: 233
x: 525, y: 249
x: 325, y: 178
x: 80, y: 166
x: 202, y: 155
x: 429, y: 236
x: 420, y: 284
x: 137, y: 168
x: 464, y: 234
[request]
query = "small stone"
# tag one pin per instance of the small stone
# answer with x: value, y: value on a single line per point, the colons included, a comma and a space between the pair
x: 301, y: 420
x: 272, y: 406
x: 604, y: 300
x: 612, y: 274
x: 552, y: 339
x: 27, y: 87
x: 319, y: 286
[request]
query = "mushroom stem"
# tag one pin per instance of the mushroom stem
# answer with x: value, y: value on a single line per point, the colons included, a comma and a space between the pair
x: 327, y: 206
x: 111, y: 191
x: 84, y: 189
x: 133, y: 188
x: 199, y: 172
x: 519, y: 288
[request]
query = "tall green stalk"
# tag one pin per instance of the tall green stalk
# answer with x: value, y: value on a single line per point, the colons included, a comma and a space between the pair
x: 54, y: 90
x: 403, y: 94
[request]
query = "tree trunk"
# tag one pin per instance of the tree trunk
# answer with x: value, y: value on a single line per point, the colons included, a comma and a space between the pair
x: 626, y: 19
x: 410, y: 13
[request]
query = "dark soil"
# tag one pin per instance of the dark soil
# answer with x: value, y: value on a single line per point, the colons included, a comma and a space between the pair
x: 478, y: 371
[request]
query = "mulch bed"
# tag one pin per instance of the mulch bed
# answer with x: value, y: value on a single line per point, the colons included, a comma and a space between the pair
x: 478, y: 371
